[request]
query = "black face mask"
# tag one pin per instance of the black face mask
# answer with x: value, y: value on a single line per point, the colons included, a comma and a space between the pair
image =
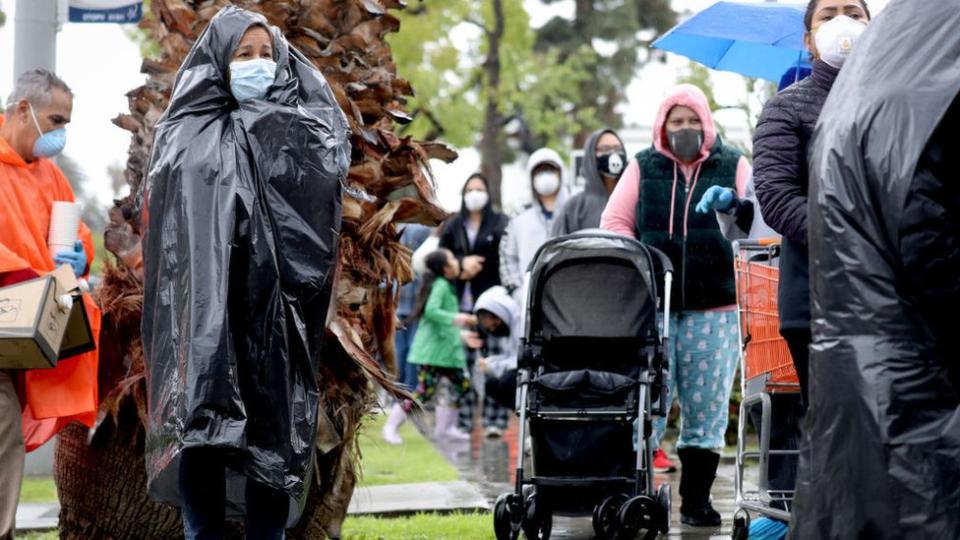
x: 686, y: 143
x: 612, y: 163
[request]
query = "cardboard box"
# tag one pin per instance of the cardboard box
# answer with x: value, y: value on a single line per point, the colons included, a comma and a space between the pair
x: 42, y: 321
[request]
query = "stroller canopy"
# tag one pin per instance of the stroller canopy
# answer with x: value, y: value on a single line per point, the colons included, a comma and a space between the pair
x: 593, y: 284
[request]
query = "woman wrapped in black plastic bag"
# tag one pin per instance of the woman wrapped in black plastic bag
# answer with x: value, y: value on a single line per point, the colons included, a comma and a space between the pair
x: 880, y: 455
x: 242, y: 213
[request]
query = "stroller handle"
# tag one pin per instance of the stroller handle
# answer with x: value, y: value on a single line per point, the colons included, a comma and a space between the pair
x: 668, y: 290
x: 661, y: 258
x: 667, y: 268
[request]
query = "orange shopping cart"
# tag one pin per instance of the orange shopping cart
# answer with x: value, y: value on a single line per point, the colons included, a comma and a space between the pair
x: 766, y: 368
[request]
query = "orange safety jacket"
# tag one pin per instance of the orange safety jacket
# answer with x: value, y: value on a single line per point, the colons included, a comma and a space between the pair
x: 52, y: 397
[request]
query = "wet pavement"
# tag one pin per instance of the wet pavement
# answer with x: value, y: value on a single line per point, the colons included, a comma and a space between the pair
x: 489, y: 463
x: 395, y: 500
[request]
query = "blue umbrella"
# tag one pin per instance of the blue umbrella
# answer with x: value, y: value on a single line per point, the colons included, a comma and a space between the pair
x: 757, y: 40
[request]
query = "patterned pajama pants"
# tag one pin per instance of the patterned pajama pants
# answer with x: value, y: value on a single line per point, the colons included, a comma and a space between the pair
x: 445, y: 386
x: 703, y: 353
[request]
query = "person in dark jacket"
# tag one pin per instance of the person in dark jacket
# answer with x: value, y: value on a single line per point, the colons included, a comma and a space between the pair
x: 780, y: 149
x: 473, y: 236
x: 604, y: 160
x: 880, y: 455
x: 780, y: 171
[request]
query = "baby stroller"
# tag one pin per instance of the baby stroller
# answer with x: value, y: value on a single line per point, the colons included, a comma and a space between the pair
x: 591, y: 368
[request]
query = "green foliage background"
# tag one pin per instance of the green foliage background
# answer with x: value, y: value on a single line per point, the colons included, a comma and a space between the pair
x: 543, y: 86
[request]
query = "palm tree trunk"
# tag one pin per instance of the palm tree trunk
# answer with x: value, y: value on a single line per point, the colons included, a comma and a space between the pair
x: 106, y: 497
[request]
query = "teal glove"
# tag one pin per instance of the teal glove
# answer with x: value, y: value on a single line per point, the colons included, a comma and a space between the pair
x: 76, y: 258
x: 716, y: 198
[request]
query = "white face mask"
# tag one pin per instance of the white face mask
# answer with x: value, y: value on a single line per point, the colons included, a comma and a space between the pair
x: 251, y: 79
x: 546, y: 183
x: 835, y: 39
x: 475, y: 200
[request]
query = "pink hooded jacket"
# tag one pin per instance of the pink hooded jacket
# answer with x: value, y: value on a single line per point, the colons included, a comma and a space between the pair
x: 620, y: 213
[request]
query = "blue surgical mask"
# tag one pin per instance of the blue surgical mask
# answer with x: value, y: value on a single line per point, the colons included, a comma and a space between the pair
x: 50, y: 143
x: 252, y: 78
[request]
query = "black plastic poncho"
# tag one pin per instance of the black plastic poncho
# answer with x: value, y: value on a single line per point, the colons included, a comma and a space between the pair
x: 242, y: 209
x: 881, y: 449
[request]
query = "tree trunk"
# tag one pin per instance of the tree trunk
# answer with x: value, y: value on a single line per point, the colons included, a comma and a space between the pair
x: 491, y: 142
x: 107, y: 497
x: 582, y: 11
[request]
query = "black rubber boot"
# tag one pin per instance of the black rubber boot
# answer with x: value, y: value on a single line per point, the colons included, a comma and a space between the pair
x: 698, y: 468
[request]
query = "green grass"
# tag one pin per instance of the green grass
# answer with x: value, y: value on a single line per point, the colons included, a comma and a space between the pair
x: 414, y: 461
x: 38, y: 489
x: 101, y: 254
x: 48, y: 535
x: 420, y: 527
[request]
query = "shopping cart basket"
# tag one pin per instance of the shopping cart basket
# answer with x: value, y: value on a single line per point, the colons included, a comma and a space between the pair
x: 766, y: 368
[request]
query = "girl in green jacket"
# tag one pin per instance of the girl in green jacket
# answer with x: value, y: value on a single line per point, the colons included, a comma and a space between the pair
x: 437, y: 350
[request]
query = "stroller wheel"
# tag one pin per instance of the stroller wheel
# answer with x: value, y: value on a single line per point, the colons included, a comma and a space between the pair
x: 664, y: 501
x: 741, y: 525
x: 605, y: 524
x: 538, y: 522
x: 502, y: 523
x: 639, y: 518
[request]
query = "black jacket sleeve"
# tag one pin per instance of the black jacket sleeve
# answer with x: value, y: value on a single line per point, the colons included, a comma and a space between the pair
x: 448, y: 237
x: 779, y: 170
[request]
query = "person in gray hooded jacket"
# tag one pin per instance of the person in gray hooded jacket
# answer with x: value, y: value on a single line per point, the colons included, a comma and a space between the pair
x: 498, y: 317
x: 604, y: 160
x: 529, y: 229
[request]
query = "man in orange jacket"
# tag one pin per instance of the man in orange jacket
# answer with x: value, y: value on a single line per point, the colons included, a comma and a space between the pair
x: 36, y: 404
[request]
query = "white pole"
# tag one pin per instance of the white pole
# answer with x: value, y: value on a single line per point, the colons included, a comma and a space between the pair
x: 35, y: 36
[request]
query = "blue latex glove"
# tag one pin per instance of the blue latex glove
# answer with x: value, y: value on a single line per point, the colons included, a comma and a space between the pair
x: 716, y: 198
x: 76, y: 258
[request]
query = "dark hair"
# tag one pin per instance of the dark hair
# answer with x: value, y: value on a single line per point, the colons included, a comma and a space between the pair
x: 436, y: 263
x: 812, y: 9
x: 486, y: 184
x: 600, y: 135
x: 266, y: 28
x: 476, y: 175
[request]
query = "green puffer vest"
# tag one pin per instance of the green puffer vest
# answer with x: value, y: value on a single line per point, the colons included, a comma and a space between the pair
x: 703, y: 259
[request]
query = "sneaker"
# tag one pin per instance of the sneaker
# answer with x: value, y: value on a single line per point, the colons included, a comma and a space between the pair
x: 662, y: 463
x: 764, y: 528
x: 493, y: 432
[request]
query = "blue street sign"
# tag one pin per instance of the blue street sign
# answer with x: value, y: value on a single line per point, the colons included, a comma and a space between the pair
x: 105, y: 11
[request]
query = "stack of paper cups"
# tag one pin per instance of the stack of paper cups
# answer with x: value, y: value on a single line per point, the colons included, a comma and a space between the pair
x: 64, y: 224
